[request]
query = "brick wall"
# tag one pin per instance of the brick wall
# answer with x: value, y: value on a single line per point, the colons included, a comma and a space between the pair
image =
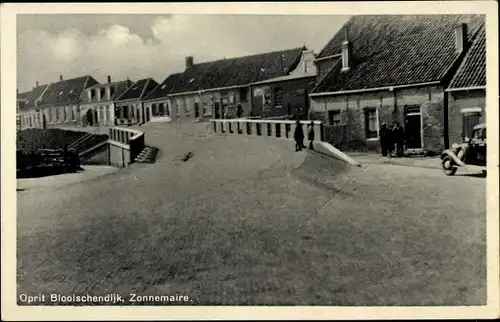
x: 390, y: 107
x: 456, y: 102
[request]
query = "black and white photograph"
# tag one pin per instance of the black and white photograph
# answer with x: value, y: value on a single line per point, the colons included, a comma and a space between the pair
x: 212, y: 156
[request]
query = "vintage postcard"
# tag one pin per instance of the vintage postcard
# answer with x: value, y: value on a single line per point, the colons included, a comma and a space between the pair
x: 250, y: 160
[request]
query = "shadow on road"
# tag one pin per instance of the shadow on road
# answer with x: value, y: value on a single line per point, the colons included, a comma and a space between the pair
x: 472, y: 175
x: 40, y: 172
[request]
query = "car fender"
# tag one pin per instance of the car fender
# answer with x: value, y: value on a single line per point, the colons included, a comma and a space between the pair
x: 453, y: 156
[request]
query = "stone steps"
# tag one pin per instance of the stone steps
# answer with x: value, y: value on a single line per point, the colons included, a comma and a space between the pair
x: 147, y: 155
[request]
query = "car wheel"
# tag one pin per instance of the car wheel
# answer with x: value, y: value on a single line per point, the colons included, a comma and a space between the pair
x: 448, y: 166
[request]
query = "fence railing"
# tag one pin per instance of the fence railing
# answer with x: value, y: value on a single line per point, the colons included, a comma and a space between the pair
x: 268, y: 128
x: 128, y: 139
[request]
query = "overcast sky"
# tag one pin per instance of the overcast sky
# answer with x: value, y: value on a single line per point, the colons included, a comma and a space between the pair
x: 140, y: 46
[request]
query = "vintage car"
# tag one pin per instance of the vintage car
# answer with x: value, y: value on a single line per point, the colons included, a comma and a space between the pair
x: 470, y: 154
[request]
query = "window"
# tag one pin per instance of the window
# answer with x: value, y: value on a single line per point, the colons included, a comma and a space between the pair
x: 65, y: 113
x: 72, y: 113
x: 57, y: 114
x: 243, y: 94
x: 470, y: 120
x: 371, y: 123
x: 111, y: 91
x: 165, y: 109
x: 125, y: 112
x: 102, y: 93
x: 92, y: 94
x: 334, y: 118
x: 278, y: 97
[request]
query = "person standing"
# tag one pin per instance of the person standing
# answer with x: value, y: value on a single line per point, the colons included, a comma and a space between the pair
x: 298, y: 136
x: 239, y: 111
x: 398, y: 135
x: 384, y: 136
x: 310, y: 135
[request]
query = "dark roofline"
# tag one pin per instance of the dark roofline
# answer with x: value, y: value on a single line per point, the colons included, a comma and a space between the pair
x: 293, y: 66
x: 444, y: 79
x: 252, y: 55
x: 148, y: 79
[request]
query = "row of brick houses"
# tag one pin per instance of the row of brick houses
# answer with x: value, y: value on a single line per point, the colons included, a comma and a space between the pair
x: 427, y: 72
x: 381, y: 69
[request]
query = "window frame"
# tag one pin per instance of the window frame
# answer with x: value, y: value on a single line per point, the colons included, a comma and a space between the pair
x: 275, y: 90
x: 371, y: 135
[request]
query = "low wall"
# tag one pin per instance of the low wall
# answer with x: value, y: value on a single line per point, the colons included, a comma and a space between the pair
x: 281, y: 129
x: 124, y: 145
x: 270, y: 128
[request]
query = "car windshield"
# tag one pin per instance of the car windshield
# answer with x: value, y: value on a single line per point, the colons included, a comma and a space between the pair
x: 479, y: 134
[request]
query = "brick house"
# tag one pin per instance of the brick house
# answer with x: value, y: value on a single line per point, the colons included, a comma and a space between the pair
x: 27, y: 111
x: 60, y: 102
x: 285, y: 96
x: 217, y: 88
x: 389, y: 68
x: 129, y: 107
x: 158, y: 101
x: 97, y: 105
x: 467, y: 91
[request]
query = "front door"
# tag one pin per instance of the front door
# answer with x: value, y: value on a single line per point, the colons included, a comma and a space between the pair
x: 196, y: 110
x: 217, y: 110
x: 413, y: 127
x: 257, y: 103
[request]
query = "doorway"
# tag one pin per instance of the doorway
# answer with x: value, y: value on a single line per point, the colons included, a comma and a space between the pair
x: 413, y: 128
x: 196, y: 110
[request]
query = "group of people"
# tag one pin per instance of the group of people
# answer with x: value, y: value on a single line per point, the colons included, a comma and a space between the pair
x: 392, y: 139
x: 299, y: 135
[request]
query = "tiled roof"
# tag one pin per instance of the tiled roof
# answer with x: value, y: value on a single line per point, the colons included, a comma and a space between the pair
x: 31, y: 96
x: 164, y: 88
x: 120, y: 88
x: 237, y: 71
x: 66, y: 91
x: 472, y: 71
x: 395, y: 50
x: 138, y: 90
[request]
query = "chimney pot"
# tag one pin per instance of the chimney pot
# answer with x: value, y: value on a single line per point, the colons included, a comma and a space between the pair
x: 461, y: 32
x: 61, y: 77
x: 189, y: 62
x: 109, y: 79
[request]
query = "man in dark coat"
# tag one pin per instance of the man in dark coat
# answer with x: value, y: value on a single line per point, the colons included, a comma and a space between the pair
x: 398, y: 136
x: 298, y: 136
x: 310, y: 135
x: 239, y: 111
x: 384, y: 139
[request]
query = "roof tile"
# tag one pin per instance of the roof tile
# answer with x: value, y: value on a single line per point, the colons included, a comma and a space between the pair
x: 66, y: 91
x: 139, y: 90
x: 164, y: 88
x: 237, y: 71
x: 472, y: 71
x: 395, y: 50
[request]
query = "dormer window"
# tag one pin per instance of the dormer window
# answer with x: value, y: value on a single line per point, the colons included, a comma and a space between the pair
x: 163, y: 86
x: 111, y: 91
x: 71, y: 91
x: 346, y: 55
x: 60, y: 93
x: 191, y: 80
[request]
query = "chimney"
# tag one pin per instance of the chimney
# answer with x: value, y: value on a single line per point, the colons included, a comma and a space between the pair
x: 37, y: 84
x: 461, y: 37
x: 346, y: 52
x: 189, y: 62
x: 60, y: 77
x: 109, y: 79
